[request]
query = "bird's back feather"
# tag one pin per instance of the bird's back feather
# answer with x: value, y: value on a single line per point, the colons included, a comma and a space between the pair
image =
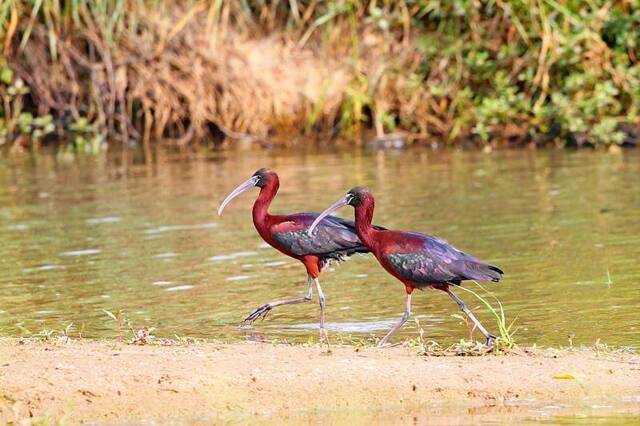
x: 333, y: 239
x: 424, y: 259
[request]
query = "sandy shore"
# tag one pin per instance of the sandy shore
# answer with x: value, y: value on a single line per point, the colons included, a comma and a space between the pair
x: 101, y: 381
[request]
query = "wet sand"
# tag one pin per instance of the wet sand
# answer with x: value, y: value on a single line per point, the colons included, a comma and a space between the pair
x: 89, y: 381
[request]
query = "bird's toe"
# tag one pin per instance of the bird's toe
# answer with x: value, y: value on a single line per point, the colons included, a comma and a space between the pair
x: 262, y: 311
x: 491, y: 339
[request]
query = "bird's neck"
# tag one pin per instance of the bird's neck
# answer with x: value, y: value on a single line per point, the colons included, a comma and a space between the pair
x: 261, y: 206
x: 364, y: 218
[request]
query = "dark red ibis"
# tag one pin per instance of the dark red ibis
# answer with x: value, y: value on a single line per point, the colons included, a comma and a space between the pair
x: 417, y: 260
x: 335, y: 239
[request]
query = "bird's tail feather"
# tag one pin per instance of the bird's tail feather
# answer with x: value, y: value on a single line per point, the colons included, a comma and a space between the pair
x: 483, y: 272
x: 340, y: 256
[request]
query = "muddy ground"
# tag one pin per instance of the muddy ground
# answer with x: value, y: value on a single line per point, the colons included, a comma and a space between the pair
x: 90, y: 381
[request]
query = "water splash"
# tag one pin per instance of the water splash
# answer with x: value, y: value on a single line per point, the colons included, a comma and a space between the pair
x: 103, y: 220
x: 86, y: 252
x: 180, y: 288
x: 231, y: 256
x: 172, y: 228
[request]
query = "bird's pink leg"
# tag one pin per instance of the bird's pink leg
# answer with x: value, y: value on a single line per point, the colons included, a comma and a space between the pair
x: 490, y: 337
x: 263, y: 310
x: 403, y: 319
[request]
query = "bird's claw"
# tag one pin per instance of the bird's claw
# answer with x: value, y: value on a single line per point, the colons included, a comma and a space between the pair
x: 383, y: 342
x: 491, y: 339
x: 262, y: 311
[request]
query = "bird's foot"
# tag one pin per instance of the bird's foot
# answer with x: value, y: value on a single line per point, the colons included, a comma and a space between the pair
x: 491, y: 340
x: 382, y: 343
x: 262, y: 311
x: 324, y: 337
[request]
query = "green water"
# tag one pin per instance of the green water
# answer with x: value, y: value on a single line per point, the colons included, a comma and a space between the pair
x: 109, y: 232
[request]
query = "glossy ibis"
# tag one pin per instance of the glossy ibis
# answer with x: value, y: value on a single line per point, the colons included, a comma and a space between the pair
x: 335, y: 239
x: 417, y: 260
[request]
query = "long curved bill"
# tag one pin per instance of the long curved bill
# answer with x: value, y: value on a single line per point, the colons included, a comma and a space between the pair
x: 250, y: 183
x: 335, y: 206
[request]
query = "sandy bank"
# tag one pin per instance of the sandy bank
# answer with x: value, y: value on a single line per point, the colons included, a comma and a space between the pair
x: 98, y: 381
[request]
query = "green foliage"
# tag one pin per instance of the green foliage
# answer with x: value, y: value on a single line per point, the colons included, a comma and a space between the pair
x: 488, y: 66
x: 123, y: 323
x: 85, y: 136
x: 14, y: 120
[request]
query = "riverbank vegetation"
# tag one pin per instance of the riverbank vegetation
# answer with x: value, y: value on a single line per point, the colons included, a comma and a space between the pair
x: 527, y: 72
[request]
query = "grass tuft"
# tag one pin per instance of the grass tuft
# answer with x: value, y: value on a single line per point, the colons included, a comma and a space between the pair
x: 471, y: 347
x: 506, y: 329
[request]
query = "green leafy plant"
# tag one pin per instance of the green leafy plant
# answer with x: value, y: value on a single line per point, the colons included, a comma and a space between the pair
x: 123, y: 323
x: 15, y: 121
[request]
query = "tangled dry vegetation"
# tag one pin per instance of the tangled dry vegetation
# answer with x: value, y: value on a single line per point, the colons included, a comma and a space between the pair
x: 527, y: 72
x: 172, y: 78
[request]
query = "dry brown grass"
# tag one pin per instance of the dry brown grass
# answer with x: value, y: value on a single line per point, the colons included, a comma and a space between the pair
x: 173, y: 80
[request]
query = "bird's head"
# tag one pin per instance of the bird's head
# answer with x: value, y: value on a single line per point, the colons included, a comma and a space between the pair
x: 261, y: 178
x: 355, y: 197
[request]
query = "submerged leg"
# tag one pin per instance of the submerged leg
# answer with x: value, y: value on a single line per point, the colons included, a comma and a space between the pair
x: 490, y: 337
x: 263, y: 310
x: 403, y: 319
x: 323, y: 332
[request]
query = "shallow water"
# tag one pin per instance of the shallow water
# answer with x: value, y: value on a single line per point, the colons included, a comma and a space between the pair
x: 533, y: 412
x: 83, y: 235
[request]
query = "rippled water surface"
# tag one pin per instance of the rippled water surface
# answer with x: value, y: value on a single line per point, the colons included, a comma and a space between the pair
x: 79, y: 236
